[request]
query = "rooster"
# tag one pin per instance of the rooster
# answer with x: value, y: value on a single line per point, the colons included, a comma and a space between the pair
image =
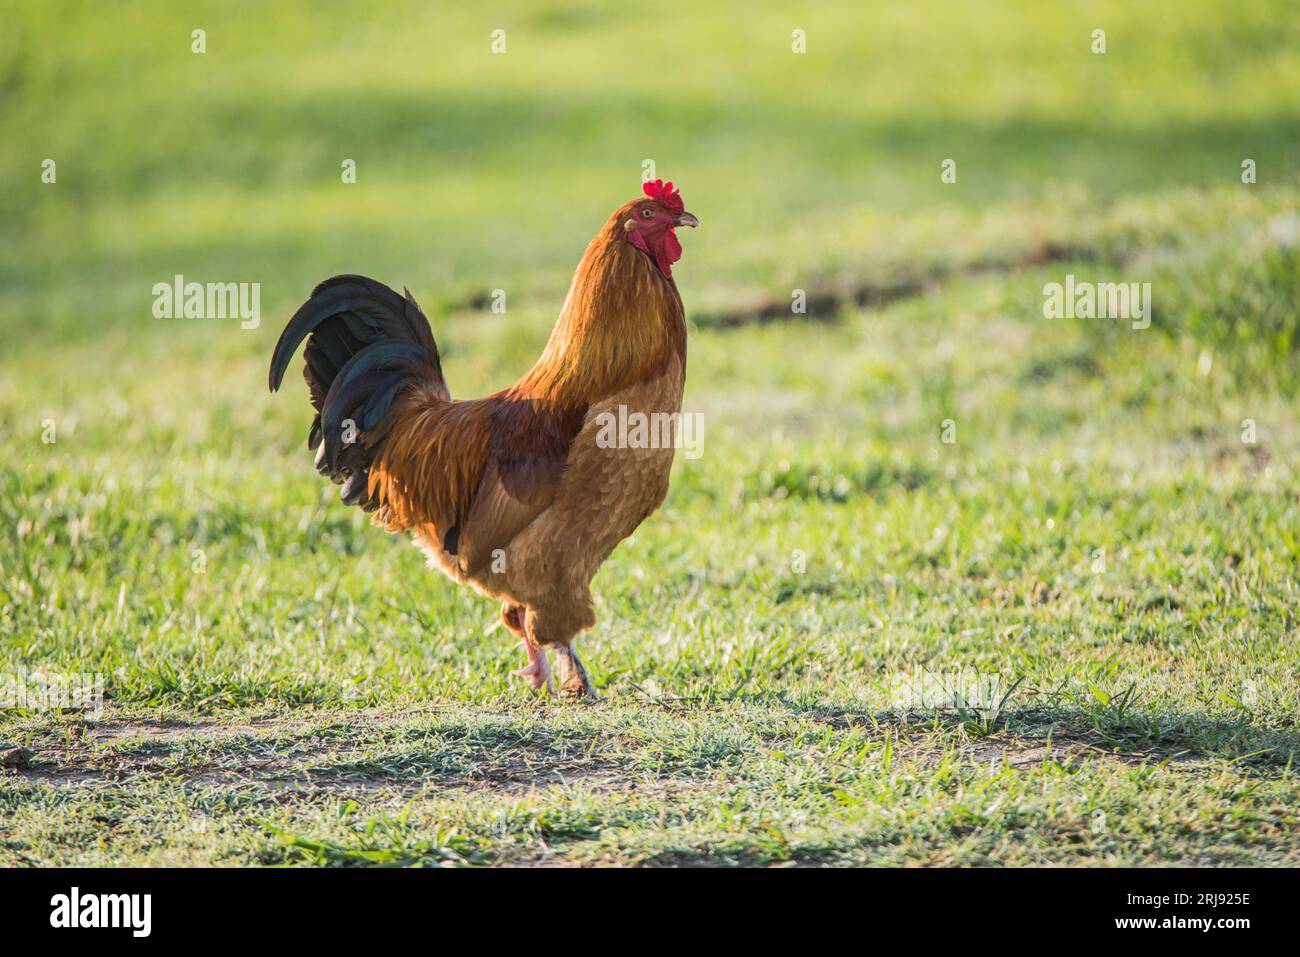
x: 513, y: 494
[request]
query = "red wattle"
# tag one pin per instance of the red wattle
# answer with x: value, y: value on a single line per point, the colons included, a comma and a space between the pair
x: 667, y: 251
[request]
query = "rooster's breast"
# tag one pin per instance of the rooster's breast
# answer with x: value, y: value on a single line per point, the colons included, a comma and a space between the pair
x: 616, y: 476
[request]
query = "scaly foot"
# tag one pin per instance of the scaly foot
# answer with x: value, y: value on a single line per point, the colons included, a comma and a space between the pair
x: 574, y: 679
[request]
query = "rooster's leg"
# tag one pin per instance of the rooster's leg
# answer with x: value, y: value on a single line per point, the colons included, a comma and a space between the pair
x: 538, y: 670
x: 574, y: 679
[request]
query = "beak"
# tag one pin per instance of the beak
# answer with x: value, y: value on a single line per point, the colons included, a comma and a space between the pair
x: 687, y: 219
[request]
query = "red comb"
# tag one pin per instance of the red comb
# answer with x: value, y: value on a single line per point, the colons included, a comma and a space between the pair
x: 658, y: 189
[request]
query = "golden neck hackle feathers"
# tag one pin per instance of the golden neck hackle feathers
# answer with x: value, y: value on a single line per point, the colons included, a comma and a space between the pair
x: 621, y: 323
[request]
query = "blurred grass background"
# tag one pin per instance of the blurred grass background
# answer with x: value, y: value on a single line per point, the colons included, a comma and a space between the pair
x: 819, y: 171
x: 481, y: 171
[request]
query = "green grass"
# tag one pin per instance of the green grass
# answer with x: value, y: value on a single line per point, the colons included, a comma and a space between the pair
x: 1067, y: 637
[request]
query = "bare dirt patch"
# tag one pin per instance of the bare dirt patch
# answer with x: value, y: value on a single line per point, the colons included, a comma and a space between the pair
x: 362, y: 752
x: 1062, y: 746
x: 827, y: 300
x: 1065, y: 752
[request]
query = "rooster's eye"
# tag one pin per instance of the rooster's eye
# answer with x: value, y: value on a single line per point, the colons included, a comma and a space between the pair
x: 647, y: 212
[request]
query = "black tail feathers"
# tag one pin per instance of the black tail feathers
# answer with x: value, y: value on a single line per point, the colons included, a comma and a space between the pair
x: 366, y: 342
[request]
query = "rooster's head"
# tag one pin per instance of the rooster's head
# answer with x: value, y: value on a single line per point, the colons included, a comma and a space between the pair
x: 649, y: 224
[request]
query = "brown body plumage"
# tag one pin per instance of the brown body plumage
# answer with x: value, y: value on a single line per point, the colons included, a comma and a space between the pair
x: 513, y: 493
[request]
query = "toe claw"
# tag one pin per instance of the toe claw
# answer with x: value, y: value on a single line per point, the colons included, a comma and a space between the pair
x: 582, y: 692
